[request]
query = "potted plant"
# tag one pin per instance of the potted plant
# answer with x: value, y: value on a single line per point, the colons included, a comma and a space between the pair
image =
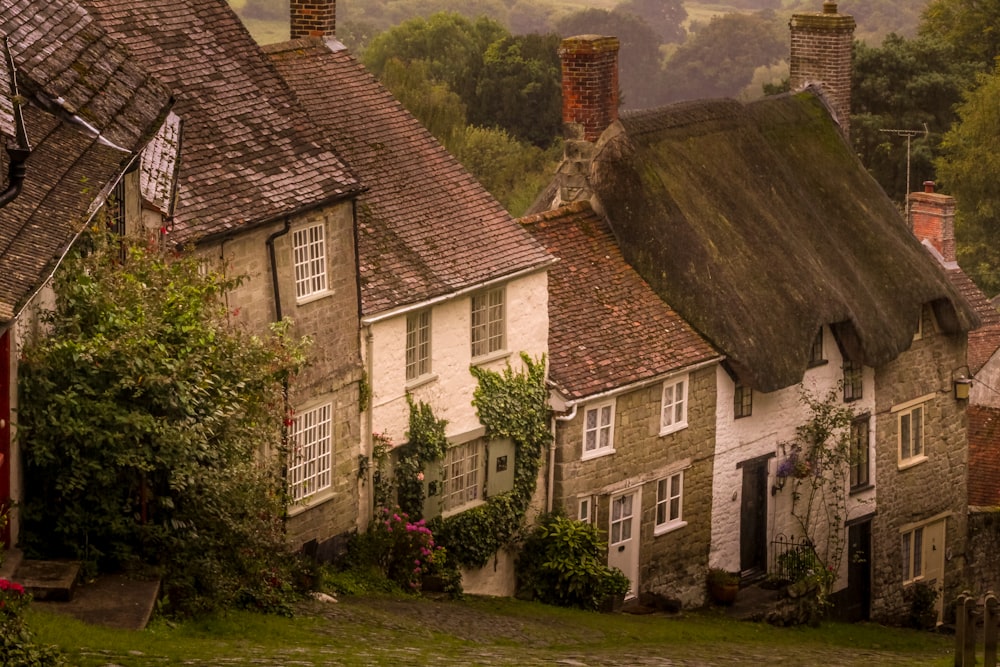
x: 722, y: 585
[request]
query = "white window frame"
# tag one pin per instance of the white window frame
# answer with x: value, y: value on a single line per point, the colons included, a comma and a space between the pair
x: 674, y: 399
x: 310, y: 466
x: 914, y: 451
x: 584, y: 510
x: 488, y: 323
x: 599, y: 426
x: 911, y: 550
x: 418, y: 345
x: 464, y: 476
x: 669, y: 512
x: 309, y: 260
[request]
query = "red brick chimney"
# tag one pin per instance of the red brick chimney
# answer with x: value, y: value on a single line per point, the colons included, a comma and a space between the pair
x: 313, y: 18
x: 821, y: 54
x: 932, y: 217
x: 589, y: 85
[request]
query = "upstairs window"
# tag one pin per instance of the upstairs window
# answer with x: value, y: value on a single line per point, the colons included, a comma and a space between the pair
x: 488, y: 326
x: 309, y: 253
x: 742, y: 401
x: 816, y: 351
x: 598, y: 430
x: 418, y: 345
x: 673, y: 405
x: 309, y: 468
x: 852, y: 380
x: 860, y: 453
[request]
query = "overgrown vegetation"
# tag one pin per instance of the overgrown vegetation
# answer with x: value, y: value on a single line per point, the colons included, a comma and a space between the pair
x: 18, y: 647
x: 564, y: 562
x: 152, y: 430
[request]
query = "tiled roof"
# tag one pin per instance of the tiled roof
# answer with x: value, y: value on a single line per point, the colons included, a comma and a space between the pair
x: 984, y: 456
x: 601, y: 312
x: 250, y: 153
x: 76, y: 82
x: 160, y: 163
x: 984, y: 341
x: 426, y: 226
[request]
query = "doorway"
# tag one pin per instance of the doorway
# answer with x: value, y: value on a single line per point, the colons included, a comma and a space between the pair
x: 623, y: 545
x: 753, y: 518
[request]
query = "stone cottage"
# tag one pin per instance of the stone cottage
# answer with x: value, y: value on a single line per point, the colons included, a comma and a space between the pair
x: 757, y: 224
x: 260, y: 193
x: 73, y: 131
x: 447, y: 278
x: 635, y: 389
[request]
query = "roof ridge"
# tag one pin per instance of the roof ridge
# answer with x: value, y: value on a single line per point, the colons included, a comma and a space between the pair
x: 552, y: 214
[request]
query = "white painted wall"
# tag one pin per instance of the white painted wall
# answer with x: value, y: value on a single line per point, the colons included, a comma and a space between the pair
x: 450, y: 392
x: 774, y: 419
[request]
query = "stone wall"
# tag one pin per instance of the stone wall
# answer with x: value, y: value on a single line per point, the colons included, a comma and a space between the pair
x: 982, y: 574
x: 673, y: 563
x: 933, y: 489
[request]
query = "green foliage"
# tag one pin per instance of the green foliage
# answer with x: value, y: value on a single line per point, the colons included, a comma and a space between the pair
x: 426, y: 445
x: 904, y: 85
x: 563, y: 562
x: 18, y: 647
x: 438, y: 109
x: 922, y: 597
x: 969, y: 169
x: 719, y: 59
x: 150, y: 429
x: 515, y: 406
x: 666, y: 17
x: 972, y: 28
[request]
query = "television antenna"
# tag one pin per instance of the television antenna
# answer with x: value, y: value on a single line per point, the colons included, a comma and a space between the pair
x: 909, y: 134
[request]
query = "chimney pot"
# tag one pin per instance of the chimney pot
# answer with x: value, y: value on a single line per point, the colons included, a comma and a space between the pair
x: 829, y: 7
x: 928, y: 186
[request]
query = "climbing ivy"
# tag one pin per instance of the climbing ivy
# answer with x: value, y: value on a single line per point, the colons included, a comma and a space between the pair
x: 427, y: 444
x: 510, y: 405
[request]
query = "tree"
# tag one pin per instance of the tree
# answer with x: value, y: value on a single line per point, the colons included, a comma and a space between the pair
x: 433, y: 103
x: 904, y: 85
x: 640, y: 76
x: 666, y: 17
x: 720, y: 59
x: 152, y: 430
x: 969, y: 169
x: 972, y: 28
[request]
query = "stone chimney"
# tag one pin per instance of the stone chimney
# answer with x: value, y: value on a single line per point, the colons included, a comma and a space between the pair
x: 313, y: 18
x: 589, y: 85
x: 821, y: 54
x: 932, y: 217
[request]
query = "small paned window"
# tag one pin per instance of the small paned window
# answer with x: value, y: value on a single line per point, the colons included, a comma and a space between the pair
x: 860, y: 453
x: 488, y: 327
x: 852, y: 380
x: 598, y: 430
x: 463, y: 469
x: 742, y: 401
x: 309, y: 251
x: 912, y: 550
x: 669, y: 492
x: 911, y: 434
x: 309, y: 469
x: 583, y: 512
x: 418, y: 344
x: 673, y: 405
x: 816, y: 352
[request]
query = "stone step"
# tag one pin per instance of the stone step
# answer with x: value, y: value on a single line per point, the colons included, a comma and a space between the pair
x: 48, y: 579
x: 11, y: 560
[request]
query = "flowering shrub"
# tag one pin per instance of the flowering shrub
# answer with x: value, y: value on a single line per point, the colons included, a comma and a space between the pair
x: 17, y: 647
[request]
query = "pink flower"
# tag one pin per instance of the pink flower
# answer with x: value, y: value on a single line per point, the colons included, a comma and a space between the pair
x: 420, y: 476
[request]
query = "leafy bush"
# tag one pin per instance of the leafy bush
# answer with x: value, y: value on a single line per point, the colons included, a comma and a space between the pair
x: 17, y: 646
x: 151, y: 429
x: 563, y: 562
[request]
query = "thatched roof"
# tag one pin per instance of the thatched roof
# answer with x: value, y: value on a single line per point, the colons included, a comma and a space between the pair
x: 758, y: 224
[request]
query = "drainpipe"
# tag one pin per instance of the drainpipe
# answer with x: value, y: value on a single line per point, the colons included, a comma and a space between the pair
x: 552, y: 455
x: 277, y: 318
x: 19, y: 154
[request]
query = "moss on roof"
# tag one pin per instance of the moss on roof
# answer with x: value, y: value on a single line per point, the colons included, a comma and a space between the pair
x: 758, y: 224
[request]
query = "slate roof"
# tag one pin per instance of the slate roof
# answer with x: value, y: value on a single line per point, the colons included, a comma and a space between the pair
x: 426, y: 226
x: 250, y: 153
x: 984, y: 341
x: 601, y: 312
x: 88, y: 111
x: 984, y: 456
x: 160, y: 164
x: 758, y: 224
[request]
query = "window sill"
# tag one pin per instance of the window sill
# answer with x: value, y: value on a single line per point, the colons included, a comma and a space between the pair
x: 668, y: 528
x: 488, y: 358
x: 597, y: 453
x: 313, y: 297
x: 673, y: 428
x: 911, y: 462
x: 421, y: 381
x: 916, y: 580
x: 309, y: 502
x: 462, y: 508
x: 855, y: 490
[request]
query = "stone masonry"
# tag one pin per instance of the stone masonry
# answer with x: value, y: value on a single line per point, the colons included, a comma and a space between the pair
x: 821, y: 54
x: 674, y: 563
x: 932, y: 217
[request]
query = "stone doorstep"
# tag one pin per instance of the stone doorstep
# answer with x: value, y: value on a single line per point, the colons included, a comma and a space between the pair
x: 48, y: 579
x: 9, y: 562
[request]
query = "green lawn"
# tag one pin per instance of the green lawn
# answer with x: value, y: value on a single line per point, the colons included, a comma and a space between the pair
x: 383, y: 630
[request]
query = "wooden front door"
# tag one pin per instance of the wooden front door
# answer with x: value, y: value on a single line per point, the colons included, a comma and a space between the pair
x: 857, y: 601
x: 753, y: 518
x: 623, y: 534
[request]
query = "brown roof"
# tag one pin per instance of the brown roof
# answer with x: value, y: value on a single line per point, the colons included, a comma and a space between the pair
x: 984, y: 341
x: 601, y: 312
x: 77, y: 83
x: 758, y: 224
x: 426, y: 226
x: 250, y: 153
x: 984, y: 456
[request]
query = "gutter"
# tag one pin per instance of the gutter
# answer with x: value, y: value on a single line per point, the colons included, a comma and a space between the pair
x: 635, y: 385
x: 16, y: 170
